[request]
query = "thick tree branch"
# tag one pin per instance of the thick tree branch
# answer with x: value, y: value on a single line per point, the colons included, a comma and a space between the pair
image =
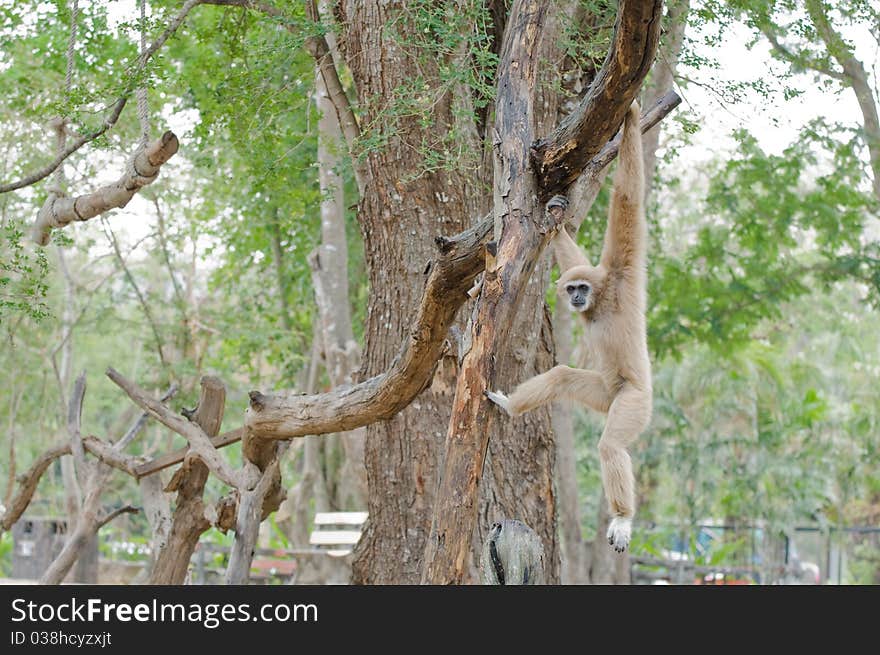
x: 27, y: 484
x: 656, y: 113
x: 559, y: 158
x: 142, y: 170
x: 282, y: 416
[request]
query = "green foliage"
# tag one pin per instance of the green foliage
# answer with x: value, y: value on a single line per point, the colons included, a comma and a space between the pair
x: 450, y: 47
x: 23, y: 274
x: 771, y: 226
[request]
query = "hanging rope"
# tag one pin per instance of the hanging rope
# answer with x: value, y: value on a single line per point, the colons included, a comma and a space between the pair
x: 71, y: 42
x: 59, y: 124
x: 141, y: 169
x: 141, y: 92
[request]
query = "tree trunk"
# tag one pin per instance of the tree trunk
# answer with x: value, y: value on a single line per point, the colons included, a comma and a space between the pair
x: 399, y: 215
x: 527, y: 172
x: 330, y: 276
x: 85, y: 531
x: 69, y: 477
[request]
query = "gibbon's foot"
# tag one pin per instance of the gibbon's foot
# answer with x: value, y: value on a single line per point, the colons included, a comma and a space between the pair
x: 619, y: 533
x: 499, y: 399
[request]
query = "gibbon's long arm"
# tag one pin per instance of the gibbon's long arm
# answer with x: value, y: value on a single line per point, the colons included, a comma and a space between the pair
x: 626, y: 233
x: 568, y: 254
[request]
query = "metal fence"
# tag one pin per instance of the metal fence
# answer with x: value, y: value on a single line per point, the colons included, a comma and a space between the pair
x: 718, y: 553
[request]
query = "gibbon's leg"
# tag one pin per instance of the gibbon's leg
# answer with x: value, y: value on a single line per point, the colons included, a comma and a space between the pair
x: 560, y: 381
x: 568, y: 253
x: 629, y: 415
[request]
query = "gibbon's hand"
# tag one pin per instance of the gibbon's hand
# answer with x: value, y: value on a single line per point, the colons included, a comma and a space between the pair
x: 499, y: 399
x: 556, y: 207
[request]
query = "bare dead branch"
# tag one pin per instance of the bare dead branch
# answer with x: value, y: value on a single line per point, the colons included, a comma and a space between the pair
x: 110, y: 455
x: 177, y: 456
x: 125, y: 509
x: 74, y: 418
x: 247, y: 525
x: 199, y: 442
x: 27, y: 484
x: 141, y: 421
x: 141, y: 171
x: 560, y: 158
x: 192, y: 517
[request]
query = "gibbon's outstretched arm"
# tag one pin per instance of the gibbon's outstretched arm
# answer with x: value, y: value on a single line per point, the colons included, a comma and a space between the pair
x: 567, y: 252
x: 626, y: 234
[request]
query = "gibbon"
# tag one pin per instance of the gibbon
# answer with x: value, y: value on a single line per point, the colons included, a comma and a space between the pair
x: 610, y: 299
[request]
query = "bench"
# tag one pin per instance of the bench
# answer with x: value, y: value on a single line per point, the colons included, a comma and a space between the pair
x: 336, y: 533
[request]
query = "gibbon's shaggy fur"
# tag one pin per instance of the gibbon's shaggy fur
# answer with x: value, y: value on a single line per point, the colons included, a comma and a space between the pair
x: 611, y: 300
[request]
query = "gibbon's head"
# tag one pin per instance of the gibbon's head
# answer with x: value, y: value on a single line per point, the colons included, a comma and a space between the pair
x: 581, y: 286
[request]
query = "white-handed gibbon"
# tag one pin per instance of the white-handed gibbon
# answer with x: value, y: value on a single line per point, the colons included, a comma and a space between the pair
x: 611, y: 300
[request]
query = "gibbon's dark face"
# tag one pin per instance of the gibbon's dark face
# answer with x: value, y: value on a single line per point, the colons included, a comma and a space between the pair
x: 579, y: 292
x: 581, y: 286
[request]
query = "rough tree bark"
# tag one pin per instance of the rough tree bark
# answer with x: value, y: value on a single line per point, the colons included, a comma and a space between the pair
x: 398, y: 215
x: 518, y: 477
x: 399, y: 208
x: 97, y: 473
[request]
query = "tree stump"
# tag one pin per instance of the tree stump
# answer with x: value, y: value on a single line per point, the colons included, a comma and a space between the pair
x: 512, y: 555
